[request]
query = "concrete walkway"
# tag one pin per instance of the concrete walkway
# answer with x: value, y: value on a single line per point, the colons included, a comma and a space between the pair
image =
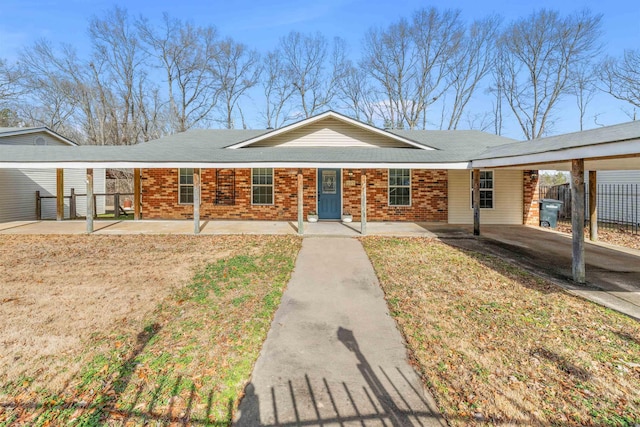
x: 333, y: 355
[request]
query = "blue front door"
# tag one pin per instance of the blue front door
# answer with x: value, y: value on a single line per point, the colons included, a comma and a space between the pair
x: 329, y: 196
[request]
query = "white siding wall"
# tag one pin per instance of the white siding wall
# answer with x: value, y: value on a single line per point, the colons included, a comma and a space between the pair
x: 507, y: 196
x: 618, y: 177
x: 618, y: 196
x: 30, y: 139
x: 18, y: 192
x: 330, y: 133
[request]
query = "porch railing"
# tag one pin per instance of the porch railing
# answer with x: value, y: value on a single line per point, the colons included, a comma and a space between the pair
x: 114, y: 201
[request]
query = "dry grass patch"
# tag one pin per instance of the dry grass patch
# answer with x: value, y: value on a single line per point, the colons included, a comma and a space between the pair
x: 497, y: 345
x: 132, y: 330
x: 613, y: 236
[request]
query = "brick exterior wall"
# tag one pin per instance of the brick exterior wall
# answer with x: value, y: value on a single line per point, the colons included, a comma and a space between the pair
x: 160, y: 196
x: 531, y: 194
x: 428, y: 196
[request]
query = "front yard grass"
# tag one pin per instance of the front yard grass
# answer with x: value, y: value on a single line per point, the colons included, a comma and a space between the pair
x: 197, y: 310
x: 497, y: 345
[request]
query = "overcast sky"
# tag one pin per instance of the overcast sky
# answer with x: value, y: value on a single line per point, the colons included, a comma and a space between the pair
x: 261, y: 23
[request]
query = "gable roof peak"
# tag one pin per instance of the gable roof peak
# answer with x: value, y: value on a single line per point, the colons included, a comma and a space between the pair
x: 334, y: 115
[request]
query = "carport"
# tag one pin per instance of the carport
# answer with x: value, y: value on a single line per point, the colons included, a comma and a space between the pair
x: 608, y: 148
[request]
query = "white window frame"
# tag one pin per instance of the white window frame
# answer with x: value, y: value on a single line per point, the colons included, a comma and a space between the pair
x: 272, y: 185
x: 398, y: 186
x: 180, y: 202
x: 492, y: 189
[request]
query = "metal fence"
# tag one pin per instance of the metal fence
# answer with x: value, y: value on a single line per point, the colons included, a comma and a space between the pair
x: 618, y: 204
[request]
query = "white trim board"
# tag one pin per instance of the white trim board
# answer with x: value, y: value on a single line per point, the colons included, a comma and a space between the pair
x: 236, y: 165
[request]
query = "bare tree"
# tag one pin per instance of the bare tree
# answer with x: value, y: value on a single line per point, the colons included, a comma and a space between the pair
x: 622, y: 77
x: 471, y: 62
x: 10, y: 77
x: 583, y: 87
x: 185, y: 53
x: 438, y: 36
x: 390, y: 58
x: 278, y: 90
x: 305, y: 61
x: 536, y: 57
x: 410, y: 61
x: 116, y: 47
x: 59, y: 93
x: 357, y: 93
x: 237, y: 69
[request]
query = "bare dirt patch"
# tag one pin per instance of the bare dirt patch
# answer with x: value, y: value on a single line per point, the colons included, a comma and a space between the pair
x: 132, y: 329
x: 499, y: 346
x: 59, y: 290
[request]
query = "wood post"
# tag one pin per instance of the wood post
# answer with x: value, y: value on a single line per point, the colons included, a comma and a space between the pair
x: 137, y: 199
x: 300, y: 205
x: 73, y: 214
x: 90, y: 201
x: 116, y: 205
x: 196, y: 201
x: 59, y: 194
x: 38, y: 206
x: 476, y: 202
x: 363, y: 202
x: 593, y: 206
x: 577, y: 220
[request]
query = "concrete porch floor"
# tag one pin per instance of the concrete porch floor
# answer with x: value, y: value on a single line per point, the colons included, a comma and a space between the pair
x: 328, y: 228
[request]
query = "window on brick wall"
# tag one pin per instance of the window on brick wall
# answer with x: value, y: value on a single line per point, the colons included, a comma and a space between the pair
x: 185, y: 186
x: 262, y: 186
x: 486, y: 190
x: 399, y: 187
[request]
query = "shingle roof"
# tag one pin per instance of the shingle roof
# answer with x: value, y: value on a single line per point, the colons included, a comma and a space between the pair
x: 201, y: 146
x: 210, y: 146
x: 603, y: 135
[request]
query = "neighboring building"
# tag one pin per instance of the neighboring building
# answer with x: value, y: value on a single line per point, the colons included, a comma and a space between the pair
x: 411, y: 175
x: 18, y: 186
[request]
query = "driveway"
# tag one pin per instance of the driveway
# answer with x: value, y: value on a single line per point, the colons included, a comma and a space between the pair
x: 333, y: 355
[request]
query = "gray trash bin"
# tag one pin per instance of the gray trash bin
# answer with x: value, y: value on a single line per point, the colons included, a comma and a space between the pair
x: 549, y: 211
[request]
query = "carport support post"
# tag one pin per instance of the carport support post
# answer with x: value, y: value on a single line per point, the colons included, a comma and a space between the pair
x: 577, y: 219
x: 196, y: 201
x: 593, y: 206
x: 136, y: 194
x: 476, y: 202
x: 363, y: 202
x: 59, y: 194
x: 300, y: 205
x: 90, y: 199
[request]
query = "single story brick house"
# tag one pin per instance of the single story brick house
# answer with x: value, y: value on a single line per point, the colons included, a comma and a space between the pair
x: 411, y: 175
x: 331, y: 164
